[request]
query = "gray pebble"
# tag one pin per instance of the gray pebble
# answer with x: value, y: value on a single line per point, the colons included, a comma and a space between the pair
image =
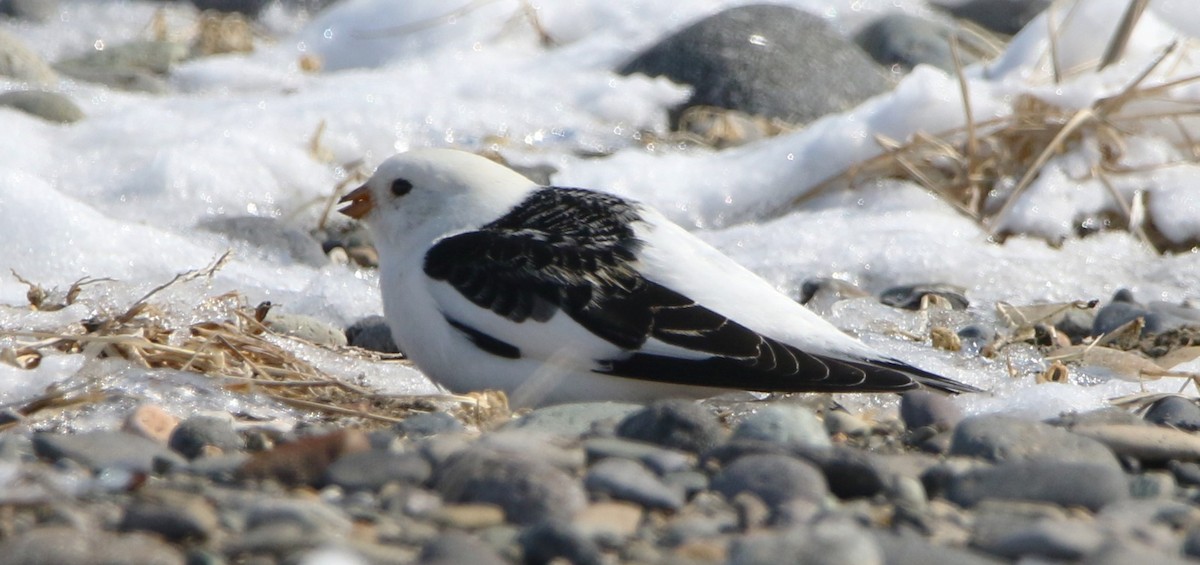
x: 457, y: 548
x: 60, y: 544
x: 1152, y: 484
x: 373, y: 469
x: 373, y: 334
x: 548, y: 542
x: 924, y: 409
x: 199, y: 435
x: 773, y: 61
x: 907, y: 41
x: 1118, y: 553
x: 546, y: 446
x: 32, y: 10
x: 304, y: 327
x: 1120, y: 311
x: 526, y: 488
x: 1099, y: 416
x: 175, y: 516
x: 271, y: 235
x: 428, y: 424
x: 1186, y: 473
x: 678, y: 424
x: 624, y: 479
x: 909, y: 296
x: 1175, y: 412
x: 782, y: 423
x: 914, y: 550
x: 1002, y: 438
x: 573, y: 420
x: 844, y: 423
x: 1063, y: 540
x: 1004, y: 16
x: 49, y: 106
x: 312, y: 516
x: 1090, y: 485
x: 662, y: 460
x: 829, y: 542
x: 1152, y: 444
x: 690, y: 482
x: 775, y: 479
x: 105, y: 450
x: 820, y: 294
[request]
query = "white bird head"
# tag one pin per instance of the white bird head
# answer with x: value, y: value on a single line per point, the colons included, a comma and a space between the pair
x: 442, y: 190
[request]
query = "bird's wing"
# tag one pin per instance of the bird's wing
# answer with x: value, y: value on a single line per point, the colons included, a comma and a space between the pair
x: 577, y: 252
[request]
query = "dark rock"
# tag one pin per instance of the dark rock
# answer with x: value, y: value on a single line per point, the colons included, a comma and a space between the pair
x: 32, y: 10
x: 49, y: 106
x: 457, y: 548
x: 1002, y: 438
x: 199, y: 436
x: 775, y: 479
x: 428, y: 424
x: 782, y: 423
x: 271, y: 235
x: 909, y: 296
x: 829, y: 542
x: 850, y: 473
x: 912, y: 550
x: 373, y: 334
x: 1061, y: 540
x: 175, y: 516
x: 1090, y: 485
x: 1187, y: 474
x: 624, y: 479
x: 547, y: 542
x: 678, y: 424
x: 1004, y: 16
x: 21, y: 63
x: 1175, y: 412
x: 660, y: 459
x: 773, y: 61
x: 907, y: 41
x: 528, y: 489
x: 371, y: 470
x: 249, y: 8
x: 105, y: 450
x: 924, y: 409
x: 573, y: 420
x: 820, y: 294
x: 1122, y: 310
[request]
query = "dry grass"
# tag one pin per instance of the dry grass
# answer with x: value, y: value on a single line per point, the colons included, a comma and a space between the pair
x: 232, y: 347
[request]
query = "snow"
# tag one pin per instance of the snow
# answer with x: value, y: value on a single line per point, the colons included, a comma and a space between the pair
x: 118, y: 195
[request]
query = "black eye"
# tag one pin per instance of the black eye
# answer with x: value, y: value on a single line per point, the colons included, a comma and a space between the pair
x: 400, y: 187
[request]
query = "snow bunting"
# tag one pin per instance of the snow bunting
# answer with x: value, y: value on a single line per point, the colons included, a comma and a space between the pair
x: 490, y: 281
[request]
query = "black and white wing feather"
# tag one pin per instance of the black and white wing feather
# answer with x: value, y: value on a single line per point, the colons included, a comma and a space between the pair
x: 577, y: 253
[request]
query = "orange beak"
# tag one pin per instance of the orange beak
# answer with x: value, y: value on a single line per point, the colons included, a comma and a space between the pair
x: 358, y: 203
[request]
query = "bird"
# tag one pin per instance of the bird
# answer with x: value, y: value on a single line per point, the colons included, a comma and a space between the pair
x: 556, y: 294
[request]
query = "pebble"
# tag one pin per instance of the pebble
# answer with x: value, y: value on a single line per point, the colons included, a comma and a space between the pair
x: 573, y: 420
x: 469, y: 516
x: 528, y: 489
x: 830, y: 542
x: 1090, y: 485
x: 20, y: 62
x: 457, y: 548
x: 31, y: 10
x: 373, y: 334
x: 428, y: 424
x: 820, y: 294
x: 61, y: 544
x: 304, y: 327
x: 913, y: 550
x: 100, y: 450
x: 798, y: 69
x: 373, y: 469
x: 1150, y: 444
x: 846, y: 424
x: 546, y: 446
x: 176, y: 516
x: 909, y: 297
x: 272, y: 235
x: 151, y: 422
x: 609, y: 522
x: 1004, y: 16
x: 1003, y: 438
x: 677, y: 424
x: 49, y: 106
x: 624, y: 479
x: 924, y: 409
x: 1121, y: 310
x: 783, y: 423
x: 1058, y: 540
x: 775, y: 479
x: 1175, y: 412
x: 907, y: 41
x: 662, y: 460
x: 550, y: 541
x: 204, y: 435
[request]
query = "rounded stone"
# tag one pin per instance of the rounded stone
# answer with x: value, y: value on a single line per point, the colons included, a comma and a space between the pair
x: 786, y: 424
x: 624, y: 479
x: 678, y: 424
x: 457, y: 548
x: 909, y: 297
x: 550, y: 541
x: 1089, y: 485
x: 174, y: 516
x: 573, y: 420
x: 528, y: 489
x: 1004, y: 16
x: 773, y: 61
x: 373, y: 334
x: 428, y: 424
x: 103, y: 449
x: 775, y: 479
x: 924, y: 409
x: 196, y: 436
x: 907, y: 41
x: 372, y: 470
x: 272, y: 235
x: 1175, y: 412
x: 1003, y: 438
